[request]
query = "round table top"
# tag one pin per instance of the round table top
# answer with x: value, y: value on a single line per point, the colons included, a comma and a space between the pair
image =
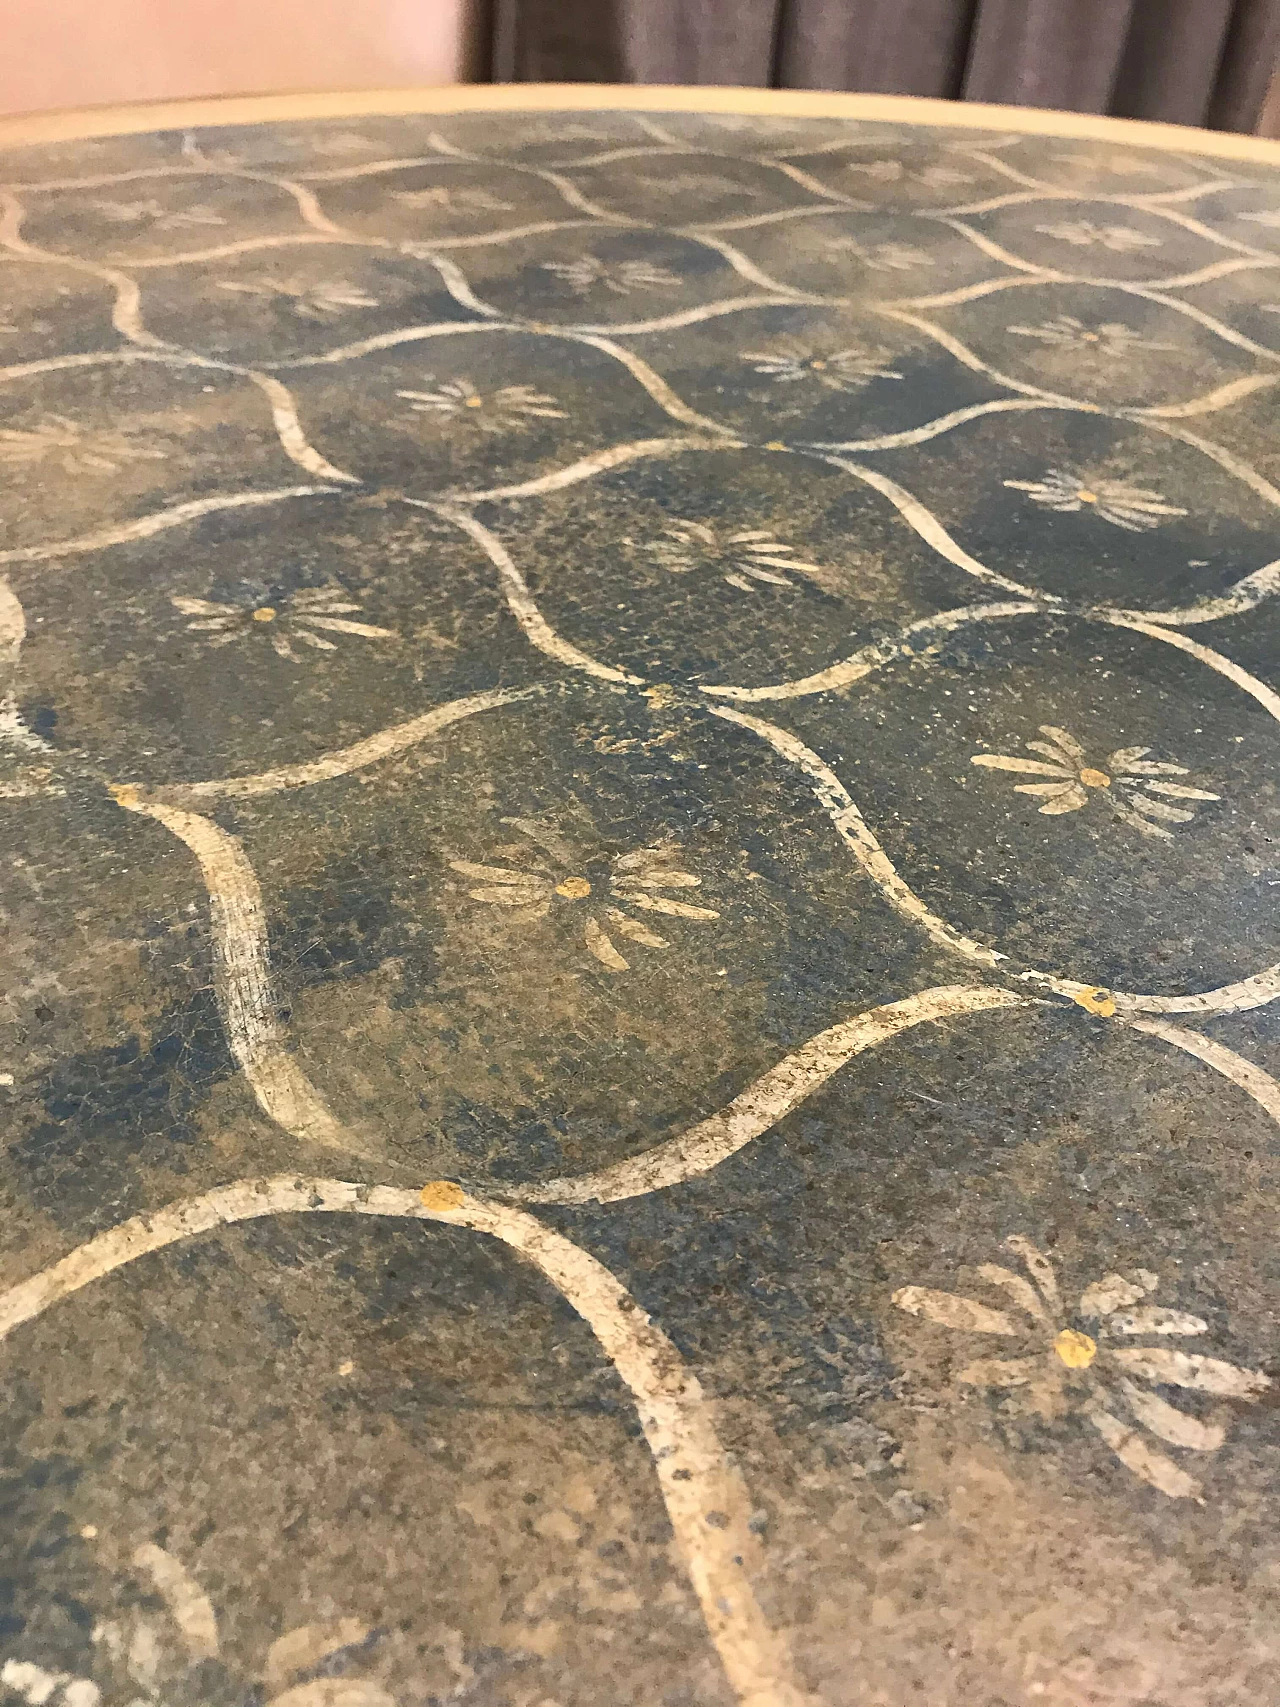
x: 675, y: 687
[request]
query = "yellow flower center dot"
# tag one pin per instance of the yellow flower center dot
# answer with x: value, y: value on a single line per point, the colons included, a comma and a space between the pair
x: 441, y: 1195
x: 475, y: 402
x: 1095, y: 779
x: 265, y: 613
x: 1089, y: 337
x: 1086, y: 496
x: 775, y: 444
x: 1095, y: 1000
x: 1075, y: 1349
x: 818, y: 367
x: 574, y: 888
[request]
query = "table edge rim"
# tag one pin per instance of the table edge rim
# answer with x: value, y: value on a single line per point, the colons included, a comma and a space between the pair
x: 134, y: 118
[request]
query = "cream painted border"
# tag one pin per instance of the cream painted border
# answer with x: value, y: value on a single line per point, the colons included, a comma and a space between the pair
x: 605, y: 97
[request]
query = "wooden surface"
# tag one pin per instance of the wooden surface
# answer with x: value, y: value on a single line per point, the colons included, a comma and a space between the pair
x: 584, y: 97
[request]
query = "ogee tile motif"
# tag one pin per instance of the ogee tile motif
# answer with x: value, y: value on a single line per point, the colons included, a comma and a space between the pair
x: 640, y: 833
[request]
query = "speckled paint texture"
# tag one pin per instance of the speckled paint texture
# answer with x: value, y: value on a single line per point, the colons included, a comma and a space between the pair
x: 701, y: 689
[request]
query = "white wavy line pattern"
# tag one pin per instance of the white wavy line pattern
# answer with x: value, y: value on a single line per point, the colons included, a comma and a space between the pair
x: 705, y: 1497
x: 706, y: 1500
x: 242, y: 976
x: 1255, y: 990
x: 159, y: 521
x: 1253, y: 1080
x: 773, y: 1096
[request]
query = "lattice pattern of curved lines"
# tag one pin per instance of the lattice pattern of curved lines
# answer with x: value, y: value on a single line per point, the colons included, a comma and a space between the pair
x: 707, y: 1502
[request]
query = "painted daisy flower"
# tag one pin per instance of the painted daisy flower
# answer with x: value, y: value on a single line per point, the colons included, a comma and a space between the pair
x: 155, y: 213
x: 343, y: 142
x: 893, y: 171
x: 701, y: 183
x: 567, y: 133
x: 79, y: 449
x: 740, y: 122
x: 1083, y: 233
x: 838, y: 370
x: 546, y: 878
x: 620, y: 277
x: 154, y: 1656
x: 297, y: 143
x: 883, y: 171
x: 492, y: 411
x: 882, y: 257
x: 324, y: 299
x: 943, y: 176
x: 1136, y: 508
x: 1134, y: 786
x: 1070, y: 1361
x: 36, y: 1684
x: 453, y: 200
x: 1132, y: 164
x: 1108, y: 337
x: 296, y: 616
x: 745, y: 556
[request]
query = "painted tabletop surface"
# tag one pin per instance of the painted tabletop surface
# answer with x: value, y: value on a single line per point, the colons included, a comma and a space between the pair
x: 640, y: 835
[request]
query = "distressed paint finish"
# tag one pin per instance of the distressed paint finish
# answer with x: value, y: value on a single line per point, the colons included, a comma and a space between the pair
x: 703, y: 683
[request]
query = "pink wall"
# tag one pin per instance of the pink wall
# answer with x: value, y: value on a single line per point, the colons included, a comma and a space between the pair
x: 71, y: 53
